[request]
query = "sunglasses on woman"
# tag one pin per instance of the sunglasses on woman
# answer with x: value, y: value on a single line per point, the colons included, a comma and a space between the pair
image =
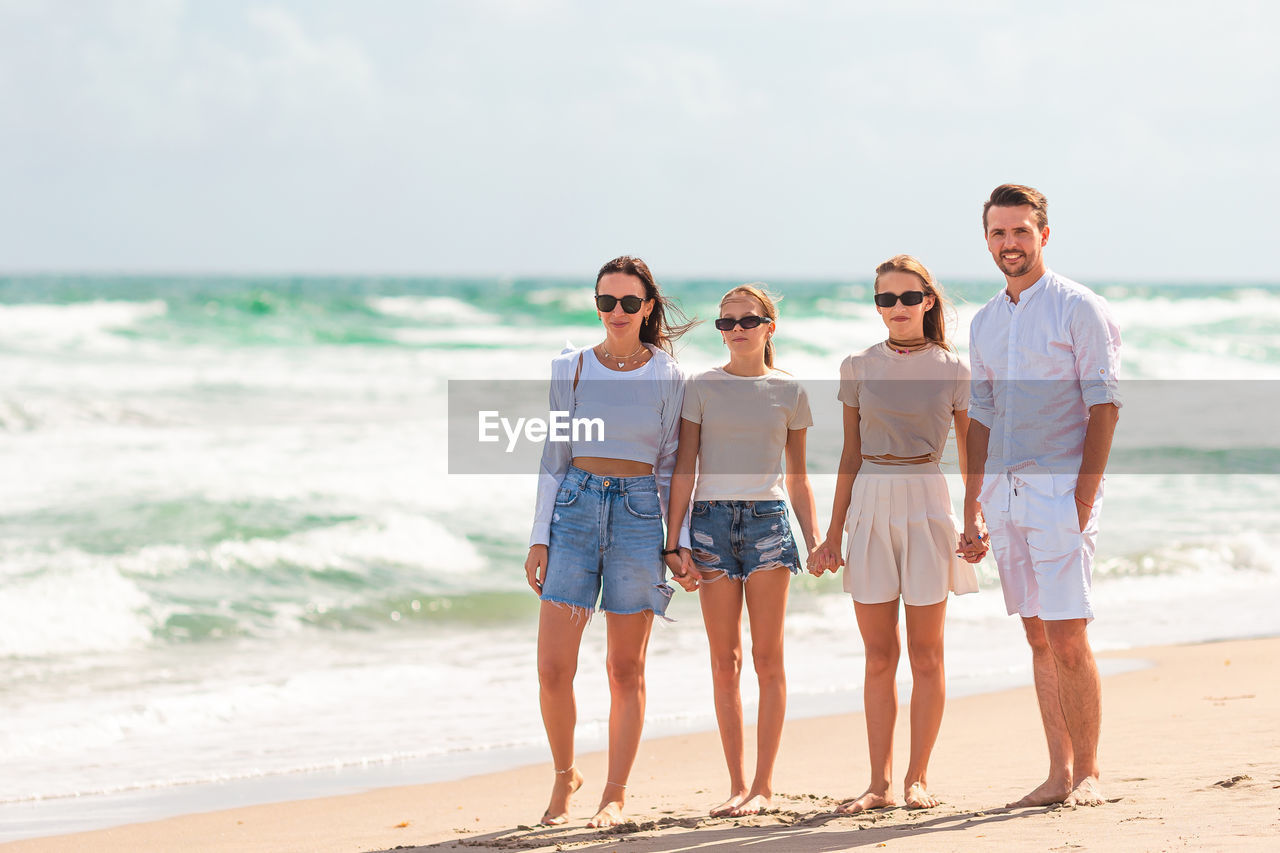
x: 630, y: 304
x: 726, y: 324
x: 911, y: 297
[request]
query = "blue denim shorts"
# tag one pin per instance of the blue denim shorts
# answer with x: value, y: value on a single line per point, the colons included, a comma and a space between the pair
x: 606, y: 544
x: 740, y: 537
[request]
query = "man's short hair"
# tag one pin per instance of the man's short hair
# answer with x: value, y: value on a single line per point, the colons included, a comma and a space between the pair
x: 1017, y: 195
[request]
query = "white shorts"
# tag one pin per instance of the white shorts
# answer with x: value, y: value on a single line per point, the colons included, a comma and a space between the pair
x: 903, y: 537
x: 1045, y: 561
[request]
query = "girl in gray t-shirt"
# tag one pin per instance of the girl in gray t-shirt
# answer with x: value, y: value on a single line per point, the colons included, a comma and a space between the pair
x: 738, y: 423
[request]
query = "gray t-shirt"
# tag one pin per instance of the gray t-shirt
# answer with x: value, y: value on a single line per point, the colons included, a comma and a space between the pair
x: 744, y: 421
x: 905, y: 401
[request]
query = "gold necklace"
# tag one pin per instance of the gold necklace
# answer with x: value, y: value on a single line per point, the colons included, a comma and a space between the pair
x: 620, y: 359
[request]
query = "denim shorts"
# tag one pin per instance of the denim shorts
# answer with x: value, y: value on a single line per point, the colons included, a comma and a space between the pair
x: 606, y: 544
x: 740, y: 537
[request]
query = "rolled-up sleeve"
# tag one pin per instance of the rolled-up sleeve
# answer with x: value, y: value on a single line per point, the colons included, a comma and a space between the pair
x: 672, y: 406
x: 1095, y: 341
x: 982, y: 399
x: 556, y: 455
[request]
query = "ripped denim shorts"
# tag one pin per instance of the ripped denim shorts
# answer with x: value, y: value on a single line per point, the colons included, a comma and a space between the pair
x: 606, y: 544
x: 741, y: 537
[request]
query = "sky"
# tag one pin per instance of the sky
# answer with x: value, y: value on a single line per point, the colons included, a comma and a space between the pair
x: 782, y: 140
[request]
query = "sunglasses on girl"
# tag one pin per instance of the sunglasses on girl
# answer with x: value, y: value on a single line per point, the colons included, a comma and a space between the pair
x: 726, y: 324
x: 630, y: 304
x: 911, y: 297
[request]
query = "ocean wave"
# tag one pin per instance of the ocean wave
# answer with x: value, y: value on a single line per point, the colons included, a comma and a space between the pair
x: 29, y: 415
x: 349, y: 576
x: 437, y: 310
x: 1226, y: 557
x: 71, y: 604
x: 74, y: 325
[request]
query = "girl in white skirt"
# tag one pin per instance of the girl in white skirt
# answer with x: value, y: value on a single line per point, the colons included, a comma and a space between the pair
x: 900, y: 398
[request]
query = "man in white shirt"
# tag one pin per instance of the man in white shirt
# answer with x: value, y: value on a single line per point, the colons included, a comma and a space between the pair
x: 1044, y: 354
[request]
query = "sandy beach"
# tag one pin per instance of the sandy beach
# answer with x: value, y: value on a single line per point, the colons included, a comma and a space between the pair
x: 1191, y: 760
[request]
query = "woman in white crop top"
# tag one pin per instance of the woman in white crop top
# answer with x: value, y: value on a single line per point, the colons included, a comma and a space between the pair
x: 900, y: 398
x: 739, y: 421
x: 597, y: 531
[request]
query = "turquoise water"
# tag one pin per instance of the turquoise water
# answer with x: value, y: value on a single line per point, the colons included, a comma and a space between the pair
x: 230, y: 546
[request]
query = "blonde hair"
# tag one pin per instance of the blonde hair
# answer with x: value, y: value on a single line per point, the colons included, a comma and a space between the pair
x: 756, y: 290
x: 935, y: 320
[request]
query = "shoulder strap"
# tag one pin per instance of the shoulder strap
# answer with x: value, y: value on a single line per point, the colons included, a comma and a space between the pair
x: 578, y: 372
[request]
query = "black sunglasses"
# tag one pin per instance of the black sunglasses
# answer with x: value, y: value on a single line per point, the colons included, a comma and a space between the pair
x: 911, y: 297
x: 630, y: 304
x: 726, y: 324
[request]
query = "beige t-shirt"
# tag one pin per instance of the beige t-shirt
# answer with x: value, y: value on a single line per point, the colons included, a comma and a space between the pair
x: 744, y: 432
x: 905, y: 402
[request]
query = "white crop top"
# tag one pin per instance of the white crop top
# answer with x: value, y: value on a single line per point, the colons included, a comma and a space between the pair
x: 627, y: 403
x: 640, y: 410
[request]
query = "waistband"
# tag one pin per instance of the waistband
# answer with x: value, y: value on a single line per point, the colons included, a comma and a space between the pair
x: 915, y: 469
x: 911, y: 460
x: 585, y: 480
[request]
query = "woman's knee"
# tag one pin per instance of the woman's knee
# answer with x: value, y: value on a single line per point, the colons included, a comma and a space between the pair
x: 768, y: 664
x: 554, y: 674
x: 625, y: 674
x: 926, y: 658
x: 726, y: 667
x: 882, y: 656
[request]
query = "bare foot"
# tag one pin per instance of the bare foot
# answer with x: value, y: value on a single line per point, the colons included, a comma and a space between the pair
x: 1051, y: 791
x: 726, y: 808
x: 918, y: 797
x: 868, y: 801
x: 565, y: 785
x: 1087, y: 793
x: 610, y: 811
x: 753, y: 804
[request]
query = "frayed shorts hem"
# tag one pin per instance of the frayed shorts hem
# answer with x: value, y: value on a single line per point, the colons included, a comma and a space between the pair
x: 903, y: 600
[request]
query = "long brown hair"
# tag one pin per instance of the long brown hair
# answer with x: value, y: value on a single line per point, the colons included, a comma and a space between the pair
x: 656, y: 329
x: 757, y: 292
x: 935, y: 319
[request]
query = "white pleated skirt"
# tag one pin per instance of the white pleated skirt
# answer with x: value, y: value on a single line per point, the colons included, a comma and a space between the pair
x: 902, y: 537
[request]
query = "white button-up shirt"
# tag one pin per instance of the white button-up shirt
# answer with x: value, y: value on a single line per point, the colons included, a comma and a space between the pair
x: 1037, y: 366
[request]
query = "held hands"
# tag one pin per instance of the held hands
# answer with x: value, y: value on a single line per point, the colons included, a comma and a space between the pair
x: 822, y: 559
x: 683, y: 570
x: 975, y: 541
x: 535, y: 567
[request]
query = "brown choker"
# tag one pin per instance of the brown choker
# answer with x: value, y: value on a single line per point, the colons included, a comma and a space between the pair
x: 904, y: 347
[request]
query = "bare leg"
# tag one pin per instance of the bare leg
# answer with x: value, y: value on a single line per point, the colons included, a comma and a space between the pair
x: 878, y: 624
x: 1080, y: 695
x: 628, y: 642
x: 722, y: 615
x: 1057, y: 785
x: 559, y: 636
x: 766, y: 594
x: 928, y: 696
